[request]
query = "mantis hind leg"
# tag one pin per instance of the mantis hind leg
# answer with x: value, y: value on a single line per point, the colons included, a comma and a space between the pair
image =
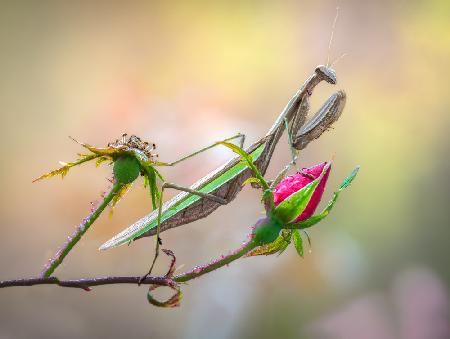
x: 160, y: 204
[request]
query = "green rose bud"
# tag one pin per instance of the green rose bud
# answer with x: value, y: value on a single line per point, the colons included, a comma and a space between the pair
x: 126, y: 169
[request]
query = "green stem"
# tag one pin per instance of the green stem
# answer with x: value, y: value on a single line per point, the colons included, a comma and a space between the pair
x: 73, y: 239
x: 215, y: 264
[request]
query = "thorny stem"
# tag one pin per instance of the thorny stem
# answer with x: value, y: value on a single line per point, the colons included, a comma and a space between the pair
x: 73, y: 239
x: 84, y: 284
x: 215, y: 264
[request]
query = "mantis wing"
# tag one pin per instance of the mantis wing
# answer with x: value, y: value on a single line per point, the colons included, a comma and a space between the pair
x: 218, y: 182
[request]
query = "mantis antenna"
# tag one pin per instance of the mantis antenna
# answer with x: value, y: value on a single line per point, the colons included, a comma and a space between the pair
x: 330, y: 43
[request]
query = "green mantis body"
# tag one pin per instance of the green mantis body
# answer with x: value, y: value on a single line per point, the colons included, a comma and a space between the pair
x: 226, y: 181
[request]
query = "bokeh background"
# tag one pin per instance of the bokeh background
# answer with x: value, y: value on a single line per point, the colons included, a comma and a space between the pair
x: 185, y: 74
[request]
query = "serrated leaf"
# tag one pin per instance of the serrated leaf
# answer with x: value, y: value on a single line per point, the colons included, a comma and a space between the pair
x: 277, y: 246
x: 291, y: 207
x: 287, y: 236
x: 298, y: 242
x: 179, y: 203
x: 347, y: 181
x: 65, y: 169
x: 319, y: 217
x: 100, y: 160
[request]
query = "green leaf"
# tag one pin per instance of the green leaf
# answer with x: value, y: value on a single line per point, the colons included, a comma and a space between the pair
x: 157, y: 173
x: 295, y: 204
x: 277, y: 246
x: 66, y: 166
x: 101, y: 160
x: 319, y: 217
x: 119, y: 195
x: 251, y: 180
x: 249, y: 161
x: 179, y: 203
x: 150, y: 174
x: 287, y: 235
x: 347, y: 181
x: 298, y: 242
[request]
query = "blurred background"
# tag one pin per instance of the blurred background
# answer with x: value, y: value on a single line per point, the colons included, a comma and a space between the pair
x: 185, y: 74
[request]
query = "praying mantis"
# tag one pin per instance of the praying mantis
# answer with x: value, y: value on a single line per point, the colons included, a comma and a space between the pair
x: 226, y: 181
x: 133, y: 157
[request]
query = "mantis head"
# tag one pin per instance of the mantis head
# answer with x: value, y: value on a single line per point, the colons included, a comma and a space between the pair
x: 327, y: 73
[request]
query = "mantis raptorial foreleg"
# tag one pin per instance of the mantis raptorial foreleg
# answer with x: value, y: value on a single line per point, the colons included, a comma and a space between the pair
x: 328, y: 114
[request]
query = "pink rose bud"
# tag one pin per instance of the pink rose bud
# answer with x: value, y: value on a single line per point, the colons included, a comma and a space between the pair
x: 293, y: 183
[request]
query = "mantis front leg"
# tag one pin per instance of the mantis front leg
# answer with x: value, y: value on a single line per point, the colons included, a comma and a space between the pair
x: 328, y: 113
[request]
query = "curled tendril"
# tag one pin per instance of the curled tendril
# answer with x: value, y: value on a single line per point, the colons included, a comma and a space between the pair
x: 171, y: 269
x: 175, y: 299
